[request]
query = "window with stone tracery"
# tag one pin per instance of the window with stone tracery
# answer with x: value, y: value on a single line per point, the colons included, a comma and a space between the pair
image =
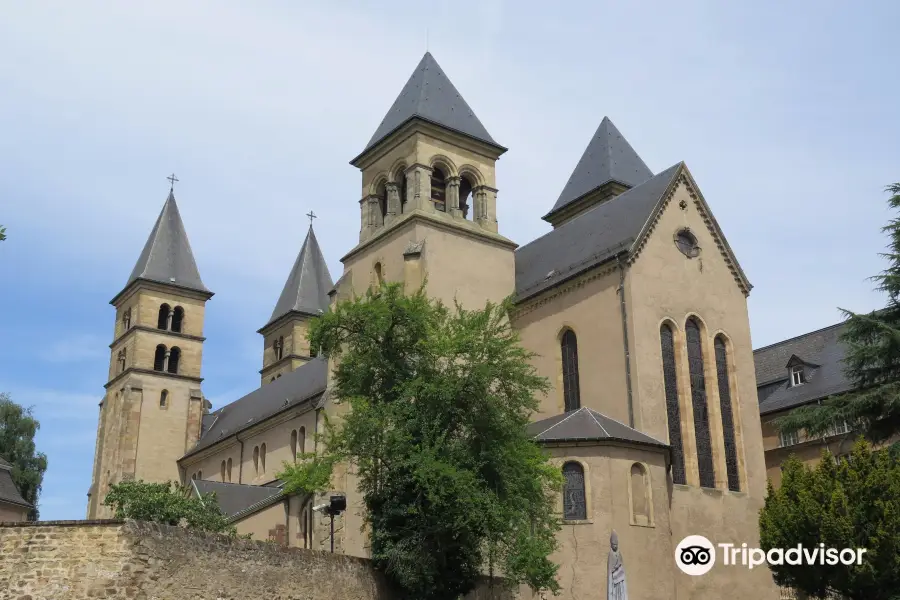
x: 574, y: 495
x: 673, y: 411
x: 699, y: 403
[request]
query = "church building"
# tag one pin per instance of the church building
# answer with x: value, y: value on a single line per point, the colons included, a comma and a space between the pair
x: 634, y: 304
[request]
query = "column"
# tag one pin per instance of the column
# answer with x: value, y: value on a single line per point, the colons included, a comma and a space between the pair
x: 419, y: 188
x: 166, y: 361
x: 453, y: 197
x: 485, y: 199
x: 393, y: 202
x: 169, y: 319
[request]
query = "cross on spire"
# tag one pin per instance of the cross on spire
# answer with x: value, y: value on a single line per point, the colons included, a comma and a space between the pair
x: 311, y: 216
x: 172, y: 180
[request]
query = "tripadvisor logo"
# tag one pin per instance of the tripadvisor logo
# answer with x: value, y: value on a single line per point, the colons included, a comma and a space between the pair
x: 696, y: 555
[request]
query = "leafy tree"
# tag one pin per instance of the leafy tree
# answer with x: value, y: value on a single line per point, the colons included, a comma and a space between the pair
x: 872, y: 360
x: 2, y: 233
x: 17, y: 430
x: 851, y: 502
x: 168, y: 503
x: 434, y: 403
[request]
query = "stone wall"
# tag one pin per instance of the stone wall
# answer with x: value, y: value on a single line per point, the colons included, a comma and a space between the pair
x: 77, y: 560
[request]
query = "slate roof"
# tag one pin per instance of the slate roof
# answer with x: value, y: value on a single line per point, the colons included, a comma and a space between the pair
x: 822, y: 352
x: 608, y: 157
x: 167, y: 256
x: 586, y: 424
x: 305, y: 382
x: 429, y: 95
x: 234, y: 498
x: 593, y: 237
x: 8, y: 490
x: 308, y: 283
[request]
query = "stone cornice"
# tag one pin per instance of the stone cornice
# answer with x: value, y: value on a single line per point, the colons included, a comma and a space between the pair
x: 144, y: 328
x: 282, y: 360
x: 140, y: 371
x: 291, y: 315
x: 159, y: 286
x: 534, y: 302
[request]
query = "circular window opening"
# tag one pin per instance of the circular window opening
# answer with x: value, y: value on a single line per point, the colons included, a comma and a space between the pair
x: 687, y: 243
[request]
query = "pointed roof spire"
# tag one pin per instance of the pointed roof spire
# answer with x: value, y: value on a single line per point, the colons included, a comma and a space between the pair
x: 429, y: 95
x: 167, y: 257
x: 608, y: 157
x: 307, y: 286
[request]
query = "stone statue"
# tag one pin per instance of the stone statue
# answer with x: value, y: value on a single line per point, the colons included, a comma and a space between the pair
x: 615, y: 571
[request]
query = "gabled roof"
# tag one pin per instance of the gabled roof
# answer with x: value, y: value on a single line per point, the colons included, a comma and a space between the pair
x: 304, y: 383
x: 235, y: 498
x: 586, y: 424
x: 308, y: 283
x: 591, y: 238
x: 8, y: 490
x: 167, y: 257
x: 429, y: 95
x: 822, y: 352
x: 608, y: 157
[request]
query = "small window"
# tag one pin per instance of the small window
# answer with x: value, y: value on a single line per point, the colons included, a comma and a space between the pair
x: 273, y: 379
x: 379, y: 276
x: 839, y: 429
x: 279, y: 348
x: 228, y: 469
x: 798, y: 377
x: 222, y: 471
x: 164, y: 399
x: 262, y: 458
x: 686, y: 243
x: 162, y: 321
x: 177, y: 319
x: 574, y: 497
x: 126, y: 320
x: 294, y: 444
x: 301, y: 440
x: 159, y: 359
x: 640, y: 503
x: 788, y: 439
x: 256, y: 459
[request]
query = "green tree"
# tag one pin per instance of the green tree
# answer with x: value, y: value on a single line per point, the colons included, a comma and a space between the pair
x: 2, y: 233
x: 851, y: 502
x: 17, y: 430
x: 434, y: 403
x: 167, y: 503
x: 872, y: 360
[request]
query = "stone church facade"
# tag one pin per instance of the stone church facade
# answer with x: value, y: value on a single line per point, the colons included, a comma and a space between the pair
x: 634, y: 303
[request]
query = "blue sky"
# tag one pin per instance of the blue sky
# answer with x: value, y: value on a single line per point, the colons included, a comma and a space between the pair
x: 786, y: 114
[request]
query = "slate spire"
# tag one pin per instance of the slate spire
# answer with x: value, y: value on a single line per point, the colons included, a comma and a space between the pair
x: 167, y: 257
x: 608, y: 158
x: 429, y: 95
x: 307, y: 285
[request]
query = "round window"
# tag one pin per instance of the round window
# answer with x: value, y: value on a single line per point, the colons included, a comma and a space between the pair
x: 687, y: 243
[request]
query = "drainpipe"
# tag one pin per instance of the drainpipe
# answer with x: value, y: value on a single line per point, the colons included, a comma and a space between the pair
x: 621, y: 291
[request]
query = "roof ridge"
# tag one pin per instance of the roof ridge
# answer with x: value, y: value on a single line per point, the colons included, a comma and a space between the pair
x: 591, y: 412
x: 561, y: 421
x: 797, y: 337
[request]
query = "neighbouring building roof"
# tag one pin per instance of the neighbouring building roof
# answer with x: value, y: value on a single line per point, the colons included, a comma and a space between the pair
x: 586, y: 424
x: 608, y: 157
x: 591, y: 238
x: 823, y: 354
x: 304, y: 383
x: 235, y: 498
x: 167, y: 257
x: 8, y: 490
x: 429, y: 95
x: 308, y: 283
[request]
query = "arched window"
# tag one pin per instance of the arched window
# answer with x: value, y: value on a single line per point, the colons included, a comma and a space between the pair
x: 222, y: 471
x: 262, y: 458
x: 574, y: 497
x: 126, y: 320
x: 279, y: 348
x: 400, y: 178
x: 123, y: 355
x: 177, y: 319
x: 193, y: 477
x: 159, y: 358
x: 162, y: 321
x: 571, y: 393
x: 294, y: 444
x: 256, y: 459
x: 164, y: 399
x: 379, y: 275
x: 199, y: 474
x: 301, y: 440
x: 640, y: 501
x: 673, y: 412
x: 381, y: 192
x: 228, y: 468
x: 731, y: 460
x: 439, y: 189
x: 465, y: 197
x: 174, y: 358
x: 698, y: 401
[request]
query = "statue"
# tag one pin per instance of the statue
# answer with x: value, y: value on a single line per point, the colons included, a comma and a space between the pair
x: 615, y: 571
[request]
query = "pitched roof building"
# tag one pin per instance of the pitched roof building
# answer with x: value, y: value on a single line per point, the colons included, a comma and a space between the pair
x: 13, y: 507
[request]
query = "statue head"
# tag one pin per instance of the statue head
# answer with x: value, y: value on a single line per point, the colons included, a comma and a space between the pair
x: 614, y: 541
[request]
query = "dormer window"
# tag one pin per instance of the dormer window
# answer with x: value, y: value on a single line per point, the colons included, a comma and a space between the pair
x: 798, y: 377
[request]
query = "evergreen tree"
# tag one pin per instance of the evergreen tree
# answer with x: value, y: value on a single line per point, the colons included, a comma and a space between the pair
x: 872, y: 360
x: 17, y: 430
x: 437, y: 402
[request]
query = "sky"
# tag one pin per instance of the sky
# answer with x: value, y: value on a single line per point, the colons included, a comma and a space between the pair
x: 785, y: 113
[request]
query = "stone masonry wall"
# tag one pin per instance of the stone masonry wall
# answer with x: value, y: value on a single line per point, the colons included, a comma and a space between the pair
x: 80, y: 560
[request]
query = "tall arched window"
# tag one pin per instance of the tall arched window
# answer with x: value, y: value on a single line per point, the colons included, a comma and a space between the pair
x: 126, y: 320
x: 177, y: 319
x: 159, y: 358
x: 698, y: 401
x: 279, y: 348
x: 174, y: 358
x: 465, y: 195
x: 640, y: 501
x: 164, y: 399
x: 162, y: 320
x: 301, y: 440
x: 731, y: 460
x: 574, y: 497
x: 222, y: 471
x: 379, y: 274
x: 673, y: 412
x: 439, y: 189
x: 400, y: 178
x: 228, y: 469
x: 571, y: 392
x: 262, y: 458
x: 294, y: 444
x: 381, y: 192
x: 256, y: 459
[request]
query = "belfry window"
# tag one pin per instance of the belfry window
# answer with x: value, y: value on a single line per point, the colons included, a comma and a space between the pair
x: 465, y: 198
x: 279, y: 347
x: 571, y: 392
x: 126, y: 320
x: 381, y: 192
x: 159, y: 358
x: 699, y: 403
x: 731, y: 460
x: 123, y: 355
x: 673, y: 412
x: 162, y: 320
x: 439, y: 189
x: 400, y: 178
x: 574, y: 496
x: 177, y: 319
x: 174, y: 358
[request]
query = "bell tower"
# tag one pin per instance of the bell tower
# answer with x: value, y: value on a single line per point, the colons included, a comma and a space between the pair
x: 151, y: 412
x: 429, y: 198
